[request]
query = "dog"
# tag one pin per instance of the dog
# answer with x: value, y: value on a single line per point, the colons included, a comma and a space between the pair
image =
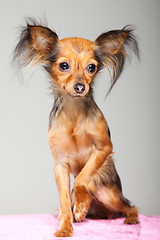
x: 78, y: 134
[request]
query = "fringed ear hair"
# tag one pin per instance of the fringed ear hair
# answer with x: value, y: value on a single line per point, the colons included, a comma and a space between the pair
x: 37, y: 44
x: 112, y: 48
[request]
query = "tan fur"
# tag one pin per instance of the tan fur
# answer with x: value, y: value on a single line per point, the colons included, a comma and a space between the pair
x: 78, y: 133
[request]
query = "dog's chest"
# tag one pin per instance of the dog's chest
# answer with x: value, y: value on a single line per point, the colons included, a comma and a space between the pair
x: 72, y: 141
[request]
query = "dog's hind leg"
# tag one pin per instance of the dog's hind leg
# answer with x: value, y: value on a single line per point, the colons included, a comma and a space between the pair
x: 113, y: 199
x: 103, y: 192
x: 109, y: 192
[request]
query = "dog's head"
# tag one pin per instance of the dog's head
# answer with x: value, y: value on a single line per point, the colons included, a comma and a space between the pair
x: 73, y: 62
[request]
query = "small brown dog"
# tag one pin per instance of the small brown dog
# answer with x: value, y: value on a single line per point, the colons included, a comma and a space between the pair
x: 79, y: 136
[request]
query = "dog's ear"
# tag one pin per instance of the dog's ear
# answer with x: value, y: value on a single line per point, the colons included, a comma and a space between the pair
x: 37, y: 44
x: 112, y: 48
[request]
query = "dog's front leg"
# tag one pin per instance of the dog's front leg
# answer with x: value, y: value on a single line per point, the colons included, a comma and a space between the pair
x: 63, y: 184
x: 84, y: 185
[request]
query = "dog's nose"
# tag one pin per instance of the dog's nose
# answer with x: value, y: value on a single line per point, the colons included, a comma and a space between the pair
x: 79, y: 88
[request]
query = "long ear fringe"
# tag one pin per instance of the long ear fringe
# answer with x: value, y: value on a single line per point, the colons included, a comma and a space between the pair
x: 24, y: 53
x: 115, y: 62
x: 131, y: 40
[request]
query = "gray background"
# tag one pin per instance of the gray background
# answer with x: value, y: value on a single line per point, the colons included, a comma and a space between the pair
x: 132, y: 109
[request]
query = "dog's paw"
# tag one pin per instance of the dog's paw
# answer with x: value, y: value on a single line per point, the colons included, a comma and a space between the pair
x: 80, y: 205
x: 132, y: 216
x: 66, y: 229
x: 63, y: 233
x: 131, y: 220
x: 80, y: 210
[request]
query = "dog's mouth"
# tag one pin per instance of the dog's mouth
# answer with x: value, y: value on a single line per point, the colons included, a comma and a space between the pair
x: 73, y: 95
x: 78, y: 90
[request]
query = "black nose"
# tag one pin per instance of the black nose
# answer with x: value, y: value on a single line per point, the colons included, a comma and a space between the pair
x: 79, y: 88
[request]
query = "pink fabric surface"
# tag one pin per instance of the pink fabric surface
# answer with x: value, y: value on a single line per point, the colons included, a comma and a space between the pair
x: 42, y: 227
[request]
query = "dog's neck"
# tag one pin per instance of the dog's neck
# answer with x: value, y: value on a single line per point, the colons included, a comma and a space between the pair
x: 72, y: 107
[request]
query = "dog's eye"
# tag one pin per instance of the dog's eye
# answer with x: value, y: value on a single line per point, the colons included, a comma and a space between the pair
x: 64, y: 66
x: 91, y: 68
